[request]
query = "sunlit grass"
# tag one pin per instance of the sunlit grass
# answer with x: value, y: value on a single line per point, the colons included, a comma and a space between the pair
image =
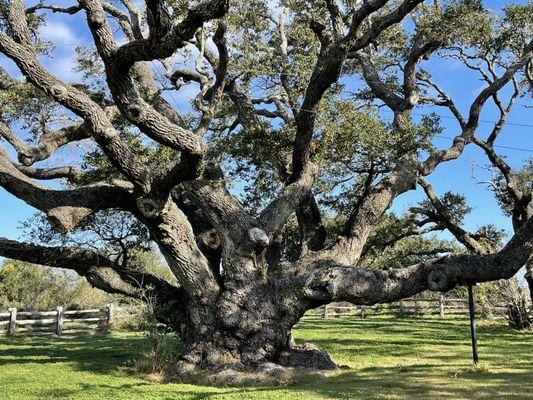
x: 403, y: 358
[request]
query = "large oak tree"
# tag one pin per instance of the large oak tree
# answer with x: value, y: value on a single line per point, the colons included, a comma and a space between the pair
x: 276, y: 114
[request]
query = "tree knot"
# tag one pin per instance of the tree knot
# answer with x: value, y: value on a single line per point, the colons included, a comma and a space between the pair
x: 150, y: 208
x: 59, y: 91
x: 97, y: 18
x: 26, y: 159
x: 439, y: 281
x: 258, y: 237
x: 135, y: 110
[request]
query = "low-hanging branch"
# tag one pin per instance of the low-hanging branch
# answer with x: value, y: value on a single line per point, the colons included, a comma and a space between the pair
x: 100, y: 271
x: 336, y: 282
x: 64, y: 208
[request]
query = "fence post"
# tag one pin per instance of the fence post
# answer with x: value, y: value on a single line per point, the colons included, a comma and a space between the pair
x: 59, y: 321
x: 12, y: 321
x: 325, y: 311
x: 441, y: 305
x: 417, y: 308
x: 402, y: 308
x: 109, y: 316
x: 363, y: 312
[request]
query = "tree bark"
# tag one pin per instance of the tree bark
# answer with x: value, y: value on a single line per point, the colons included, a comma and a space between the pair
x: 248, y: 327
x: 529, y: 280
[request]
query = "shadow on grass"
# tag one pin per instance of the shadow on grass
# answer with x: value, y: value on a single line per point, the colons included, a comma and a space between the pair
x: 419, y: 383
x: 169, y: 392
x: 98, y: 353
x: 435, y: 354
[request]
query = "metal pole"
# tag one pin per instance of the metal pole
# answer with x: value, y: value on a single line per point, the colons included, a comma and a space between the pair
x: 472, y: 323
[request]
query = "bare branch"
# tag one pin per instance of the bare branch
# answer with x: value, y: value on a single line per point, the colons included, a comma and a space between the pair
x: 336, y: 18
x: 217, y: 89
x: 156, y: 47
x: 521, y: 210
x: 378, y: 87
x: 276, y: 214
x: 368, y: 212
x: 72, y: 174
x: 135, y: 18
x: 418, y: 51
x: 48, y: 143
x: 378, y: 25
x: 172, y: 232
x: 447, y: 101
x: 154, y: 124
x: 56, y: 9
x: 65, y: 208
x: 443, y: 218
x: 223, y: 210
x: 472, y: 123
x: 328, y: 68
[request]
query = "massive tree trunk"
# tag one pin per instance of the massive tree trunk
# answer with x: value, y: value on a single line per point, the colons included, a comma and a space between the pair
x: 247, y: 329
x: 248, y: 325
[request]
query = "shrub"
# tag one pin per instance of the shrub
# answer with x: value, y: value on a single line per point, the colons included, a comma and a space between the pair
x: 162, y: 346
x: 33, y: 287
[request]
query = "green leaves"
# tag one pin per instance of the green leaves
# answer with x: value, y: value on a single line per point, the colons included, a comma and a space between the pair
x: 524, y: 177
x: 30, y: 108
x: 99, y: 168
x: 33, y: 287
x: 454, y: 204
x: 352, y: 143
x: 395, y: 244
x: 515, y: 29
x: 458, y: 22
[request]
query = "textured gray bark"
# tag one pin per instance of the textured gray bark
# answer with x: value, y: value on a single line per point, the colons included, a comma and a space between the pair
x: 236, y: 302
x: 529, y: 280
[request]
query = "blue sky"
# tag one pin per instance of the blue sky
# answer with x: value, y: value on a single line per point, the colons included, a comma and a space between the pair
x: 463, y: 86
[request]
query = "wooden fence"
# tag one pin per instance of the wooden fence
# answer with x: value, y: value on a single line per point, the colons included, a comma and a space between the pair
x: 415, y: 306
x: 61, y: 322
x: 56, y: 322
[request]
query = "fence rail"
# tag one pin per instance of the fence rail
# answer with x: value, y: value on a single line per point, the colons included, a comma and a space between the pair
x: 419, y: 306
x: 56, y: 322
x: 60, y: 322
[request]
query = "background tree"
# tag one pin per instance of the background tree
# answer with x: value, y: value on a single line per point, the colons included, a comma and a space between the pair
x: 31, y: 287
x: 274, y: 116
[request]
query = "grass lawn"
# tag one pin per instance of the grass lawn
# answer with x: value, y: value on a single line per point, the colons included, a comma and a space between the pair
x: 402, y: 358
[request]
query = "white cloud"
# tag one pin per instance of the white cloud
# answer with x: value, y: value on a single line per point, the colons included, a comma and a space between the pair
x: 58, y: 33
x: 62, y: 66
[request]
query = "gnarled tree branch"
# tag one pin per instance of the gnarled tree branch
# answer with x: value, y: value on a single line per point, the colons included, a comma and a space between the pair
x: 332, y: 281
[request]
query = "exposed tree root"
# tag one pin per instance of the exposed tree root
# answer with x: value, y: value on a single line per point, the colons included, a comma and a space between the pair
x: 289, y: 364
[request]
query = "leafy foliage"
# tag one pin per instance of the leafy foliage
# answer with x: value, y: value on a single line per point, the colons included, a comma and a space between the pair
x: 455, y: 205
x: 525, y: 181
x: 32, y: 287
x: 396, y: 243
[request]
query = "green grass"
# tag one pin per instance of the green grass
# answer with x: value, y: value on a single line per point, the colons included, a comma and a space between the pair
x: 404, y: 358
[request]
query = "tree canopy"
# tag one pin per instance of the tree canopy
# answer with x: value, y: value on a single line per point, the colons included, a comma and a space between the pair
x: 271, y: 193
